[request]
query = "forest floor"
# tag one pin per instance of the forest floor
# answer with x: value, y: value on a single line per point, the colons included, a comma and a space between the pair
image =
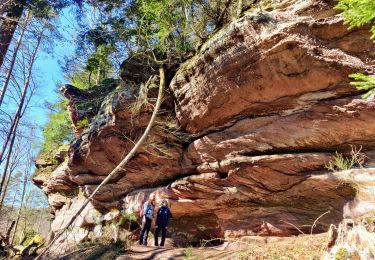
x: 147, y: 252
x: 299, y: 247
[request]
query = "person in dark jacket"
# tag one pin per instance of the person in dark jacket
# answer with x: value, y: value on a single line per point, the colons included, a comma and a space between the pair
x: 147, y: 213
x: 163, y: 218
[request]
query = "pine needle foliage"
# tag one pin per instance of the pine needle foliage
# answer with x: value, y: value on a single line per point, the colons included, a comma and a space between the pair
x: 358, y: 13
x: 364, y: 83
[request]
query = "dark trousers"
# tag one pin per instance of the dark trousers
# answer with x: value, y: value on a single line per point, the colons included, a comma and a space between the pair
x: 163, y: 233
x: 144, y: 232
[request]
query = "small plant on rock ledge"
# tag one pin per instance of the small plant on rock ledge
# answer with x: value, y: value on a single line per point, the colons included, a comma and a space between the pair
x: 342, y: 163
x: 83, y: 123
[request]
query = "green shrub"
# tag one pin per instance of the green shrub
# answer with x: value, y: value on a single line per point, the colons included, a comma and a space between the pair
x: 58, y: 129
x: 30, y: 237
x: 83, y: 123
x: 342, y: 254
x: 342, y: 163
x: 188, y: 253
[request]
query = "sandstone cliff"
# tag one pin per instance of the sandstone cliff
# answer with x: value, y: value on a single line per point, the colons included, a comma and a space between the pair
x: 263, y: 108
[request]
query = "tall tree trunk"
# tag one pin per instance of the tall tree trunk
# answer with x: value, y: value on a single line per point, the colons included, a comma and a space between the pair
x: 6, y: 240
x: 14, y: 10
x: 7, y: 139
x: 13, y: 165
x: 20, y: 209
x: 98, y: 74
x: 14, y: 56
x: 7, y: 161
x: 19, y: 112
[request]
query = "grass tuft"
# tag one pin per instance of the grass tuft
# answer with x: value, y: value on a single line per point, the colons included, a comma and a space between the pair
x: 343, y: 163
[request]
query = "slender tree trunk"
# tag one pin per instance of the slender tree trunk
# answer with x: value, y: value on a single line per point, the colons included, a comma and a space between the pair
x: 20, y: 209
x: 119, y: 166
x: 18, y: 115
x: 7, y: 180
x: 8, y: 233
x: 90, y: 78
x: 98, y: 74
x: 7, y: 139
x: 3, y: 194
x: 7, y: 161
x: 14, y: 10
x: 14, y: 56
x: 239, y: 7
x: 220, y: 18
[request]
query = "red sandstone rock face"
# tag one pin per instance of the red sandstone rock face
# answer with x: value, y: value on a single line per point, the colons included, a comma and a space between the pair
x: 274, y: 91
x: 266, y: 64
x: 268, y: 102
x: 104, y: 144
x: 255, y: 196
x: 328, y: 125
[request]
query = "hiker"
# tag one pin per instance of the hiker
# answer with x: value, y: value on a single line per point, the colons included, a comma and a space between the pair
x: 147, y: 213
x: 162, y: 220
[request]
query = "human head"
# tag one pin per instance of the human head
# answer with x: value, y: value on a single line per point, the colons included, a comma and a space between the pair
x: 151, y: 198
x: 164, y: 203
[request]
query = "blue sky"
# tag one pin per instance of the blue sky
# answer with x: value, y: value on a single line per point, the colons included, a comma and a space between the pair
x: 50, y: 74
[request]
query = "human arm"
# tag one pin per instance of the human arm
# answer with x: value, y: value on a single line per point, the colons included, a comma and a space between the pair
x: 156, y: 218
x: 143, y: 212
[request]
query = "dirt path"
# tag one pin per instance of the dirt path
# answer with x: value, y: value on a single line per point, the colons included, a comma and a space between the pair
x: 252, y: 247
x: 148, y: 252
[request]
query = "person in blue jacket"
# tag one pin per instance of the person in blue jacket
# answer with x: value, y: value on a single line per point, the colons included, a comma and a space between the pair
x: 147, y: 214
x: 163, y: 218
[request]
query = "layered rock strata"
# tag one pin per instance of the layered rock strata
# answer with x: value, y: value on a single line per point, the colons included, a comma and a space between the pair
x: 266, y: 103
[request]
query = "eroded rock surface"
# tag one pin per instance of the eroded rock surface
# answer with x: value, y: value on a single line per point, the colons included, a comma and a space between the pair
x: 269, y: 63
x: 267, y: 103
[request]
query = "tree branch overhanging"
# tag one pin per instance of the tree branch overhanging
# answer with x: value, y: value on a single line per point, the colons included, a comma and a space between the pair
x: 120, y: 165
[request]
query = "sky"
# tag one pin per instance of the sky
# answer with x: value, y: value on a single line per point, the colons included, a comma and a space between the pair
x: 50, y: 74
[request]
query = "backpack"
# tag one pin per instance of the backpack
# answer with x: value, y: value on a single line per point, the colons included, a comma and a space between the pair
x: 163, y: 216
x: 142, y: 212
